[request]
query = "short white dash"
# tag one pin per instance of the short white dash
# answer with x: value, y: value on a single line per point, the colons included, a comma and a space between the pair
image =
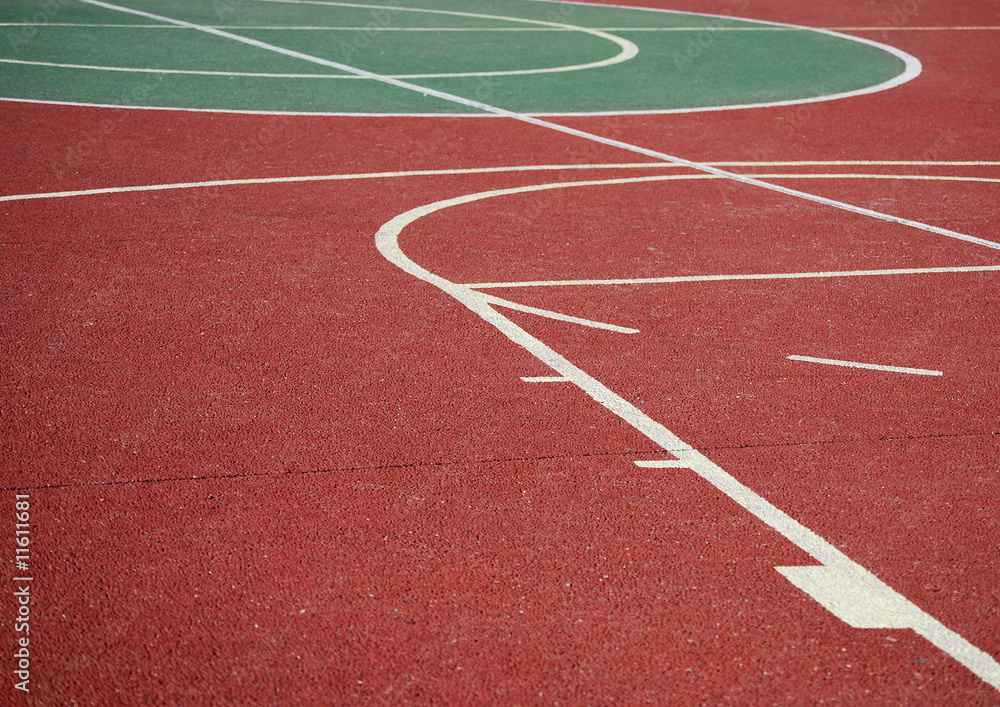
x: 870, y: 366
x: 663, y: 464
x: 544, y: 379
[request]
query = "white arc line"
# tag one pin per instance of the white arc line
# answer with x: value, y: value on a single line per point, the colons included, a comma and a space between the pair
x: 912, y: 70
x: 628, y: 49
x: 855, y: 585
x: 544, y: 379
x: 869, y: 366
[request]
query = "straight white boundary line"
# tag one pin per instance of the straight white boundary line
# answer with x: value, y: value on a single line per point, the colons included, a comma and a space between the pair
x: 912, y: 70
x: 498, y: 170
x: 549, y: 314
x: 842, y: 586
x: 730, y: 278
x: 868, y: 366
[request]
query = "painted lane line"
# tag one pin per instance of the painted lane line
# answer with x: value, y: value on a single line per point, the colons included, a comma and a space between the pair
x: 548, y: 314
x: 473, y: 170
x: 725, y: 278
x: 912, y: 70
x: 662, y: 464
x: 869, y: 366
x: 544, y: 379
x: 863, y: 587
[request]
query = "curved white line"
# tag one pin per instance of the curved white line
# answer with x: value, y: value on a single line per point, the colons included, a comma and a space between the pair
x: 912, y: 65
x: 838, y: 584
x: 628, y: 49
x: 912, y: 69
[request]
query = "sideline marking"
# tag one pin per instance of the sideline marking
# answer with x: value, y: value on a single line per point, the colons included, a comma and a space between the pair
x: 859, y: 585
x: 870, y: 366
x: 545, y: 379
x: 724, y: 278
x: 912, y: 70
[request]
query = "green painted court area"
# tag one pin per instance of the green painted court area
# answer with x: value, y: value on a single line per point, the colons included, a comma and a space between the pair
x: 522, y: 55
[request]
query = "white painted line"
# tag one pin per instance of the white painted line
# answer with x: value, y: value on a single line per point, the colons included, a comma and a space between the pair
x: 725, y: 278
x: 480, y: 170
x: 329, y: 178
x: 911, y: 29
x: 910, y: 177
x: 841, y: 163
x: 192, y: 72
x: 662, y: 464
x: 556, y: 315
x: 544, y: 379
x: 869, y: 366
x: 837, y: 563
x: 853, y: 597
x: 627, y: 50
x: 911, y: 71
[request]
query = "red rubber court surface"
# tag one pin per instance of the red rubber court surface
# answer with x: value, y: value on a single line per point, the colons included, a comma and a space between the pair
x: 268, y: 464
